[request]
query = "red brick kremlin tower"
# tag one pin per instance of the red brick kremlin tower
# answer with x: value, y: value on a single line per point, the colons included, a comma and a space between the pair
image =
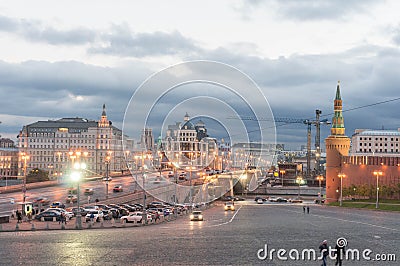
x: 337, y: 145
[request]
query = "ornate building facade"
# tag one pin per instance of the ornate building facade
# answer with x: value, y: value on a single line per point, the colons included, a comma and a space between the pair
x: 53, y: 146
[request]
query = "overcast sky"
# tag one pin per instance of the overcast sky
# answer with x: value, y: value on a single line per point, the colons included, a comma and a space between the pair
x: 67, y: 58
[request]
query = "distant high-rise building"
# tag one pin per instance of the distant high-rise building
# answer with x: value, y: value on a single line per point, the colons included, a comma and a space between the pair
x: 147, y: 140
x: 54, y: 145
x: 337, y: 146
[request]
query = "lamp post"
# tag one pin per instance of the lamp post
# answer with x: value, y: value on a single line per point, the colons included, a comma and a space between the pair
x: 341, y: 176
x: 299, y: 180
x: 377, y: 173
x: 136, y: 172
x: 282, y: 172
x: 24, y: 157
x: 107, y: 173
x: 76, y: 176
x: 320, y: 178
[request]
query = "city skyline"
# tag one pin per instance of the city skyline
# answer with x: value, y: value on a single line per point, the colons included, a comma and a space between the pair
x: 55, y: 66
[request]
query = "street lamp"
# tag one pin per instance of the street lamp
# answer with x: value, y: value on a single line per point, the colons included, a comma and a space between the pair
x: 282, y: 172
x: 320, y: 178
x: 341, y: 176
x: 108, y: 157
x: 24, y: 157
x: 299, y: 180
x: 377, y: 173
x: 76, y: 177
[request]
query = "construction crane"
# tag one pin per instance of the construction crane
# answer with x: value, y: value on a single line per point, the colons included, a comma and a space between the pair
x: 317, y: 123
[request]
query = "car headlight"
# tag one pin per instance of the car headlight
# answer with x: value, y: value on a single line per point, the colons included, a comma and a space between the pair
x: 233, y: 208
x: 191, y: 216
x: 226, y: 207
x: 200, y: 216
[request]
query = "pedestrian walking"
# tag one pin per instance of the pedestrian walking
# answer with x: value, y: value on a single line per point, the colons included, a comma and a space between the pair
x: 339, y: 252
x: 308, y: 209
x: 323, y: 248
x: 19, y: 216
x: 304, y: 209
x: 92, y: 217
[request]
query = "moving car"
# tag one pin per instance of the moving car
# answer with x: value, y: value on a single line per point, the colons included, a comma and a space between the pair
x: 118, y: 188
x: 196, y: 216
x: 41, y: 200
x: 71, y: 199
x: 88, y: 191
x: 281, y: 199
x: 260, y: 201
x: 229, y: 206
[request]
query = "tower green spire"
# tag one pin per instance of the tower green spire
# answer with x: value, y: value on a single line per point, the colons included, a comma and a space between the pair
x: 337, y: 120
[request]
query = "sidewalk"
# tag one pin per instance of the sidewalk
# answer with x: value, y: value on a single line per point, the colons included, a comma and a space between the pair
x: 36, y: 225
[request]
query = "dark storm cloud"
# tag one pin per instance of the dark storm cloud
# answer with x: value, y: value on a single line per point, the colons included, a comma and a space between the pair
x: 66, y: 89
x: 121, y: 41
x: 35, y: 31
x: 308, y: 9
x: 297, y: 85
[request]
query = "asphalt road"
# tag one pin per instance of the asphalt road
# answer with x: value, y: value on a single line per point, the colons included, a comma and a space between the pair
x: 60, y: 192
x: 223, y: 238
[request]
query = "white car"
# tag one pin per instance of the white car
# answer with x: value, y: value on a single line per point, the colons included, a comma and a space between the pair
x: 97, y: 215
x: 67, y: 214
x: 132, y: 218
x: 260, y: 201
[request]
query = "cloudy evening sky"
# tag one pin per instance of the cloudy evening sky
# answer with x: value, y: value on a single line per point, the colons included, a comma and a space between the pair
x: 67, y: 58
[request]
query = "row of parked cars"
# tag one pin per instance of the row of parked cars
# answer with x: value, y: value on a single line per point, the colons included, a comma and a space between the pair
x: 125, y: 212
x: 261, y: 200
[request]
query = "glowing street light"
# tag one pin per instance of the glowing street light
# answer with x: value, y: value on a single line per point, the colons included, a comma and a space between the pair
x: 320, y: 178
x: 24, y: 157
x: 282, y: 172
x: 76, y: 177
x: 377, y: 173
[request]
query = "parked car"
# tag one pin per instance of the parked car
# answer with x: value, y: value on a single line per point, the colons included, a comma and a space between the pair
x: 118, y: 188
x: 107, y: 215
x: 229, y: 206
x: 71, y: 199
x: 49, y: 216
x: 88, y: 191
x: 260, y: 201
x: 57, y: 204
x: 75, y: 211
x: 196, y: 216
x: 67, y: 214
x: 97, y: 215
x: 135, y: 217
x: 281, y: 199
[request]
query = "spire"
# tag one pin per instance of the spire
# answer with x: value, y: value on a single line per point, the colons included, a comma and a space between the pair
x: 104, y: 110
x: 186, y: 118
x: 103, y: 120
x: 337, y: 120
x: 338, y: 91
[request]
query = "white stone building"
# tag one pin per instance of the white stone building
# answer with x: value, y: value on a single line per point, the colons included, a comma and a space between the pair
x: 373, y: 142
x: 54, y: 145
